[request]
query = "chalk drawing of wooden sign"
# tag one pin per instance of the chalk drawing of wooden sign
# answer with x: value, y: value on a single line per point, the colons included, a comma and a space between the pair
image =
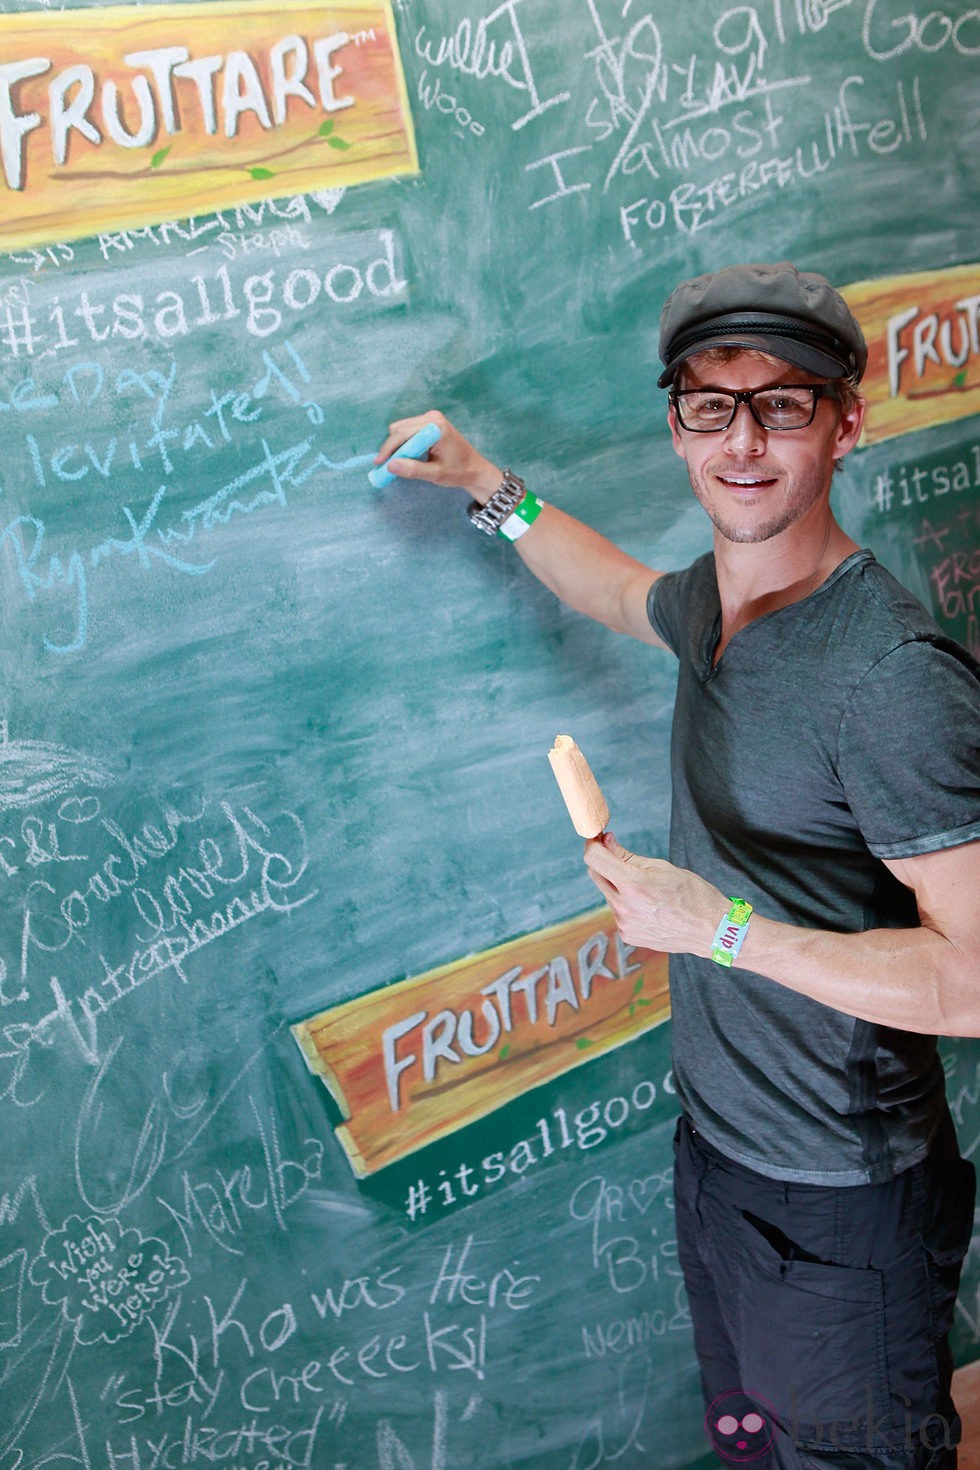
x: 422, y: 1058
x: 923, y: 334
x: 122, y: 116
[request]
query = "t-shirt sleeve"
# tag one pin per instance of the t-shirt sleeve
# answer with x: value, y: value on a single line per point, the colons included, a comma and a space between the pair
x: 909, y: 751
x: 663, y: 609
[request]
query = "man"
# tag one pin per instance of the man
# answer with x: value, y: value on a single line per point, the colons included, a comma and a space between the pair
x: 820, y: 901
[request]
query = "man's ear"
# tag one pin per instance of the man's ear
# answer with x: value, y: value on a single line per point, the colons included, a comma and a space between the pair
x: 850, y: 424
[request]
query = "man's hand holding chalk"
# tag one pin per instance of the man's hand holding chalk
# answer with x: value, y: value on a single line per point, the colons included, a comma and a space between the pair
x: 417, y: 446
x: 430, y: 448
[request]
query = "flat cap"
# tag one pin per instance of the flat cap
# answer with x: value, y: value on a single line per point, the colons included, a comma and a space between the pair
x: 794, y: 315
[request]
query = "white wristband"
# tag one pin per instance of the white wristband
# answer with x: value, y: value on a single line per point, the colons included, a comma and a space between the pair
x: 731, y: 932
x: 521, y: 518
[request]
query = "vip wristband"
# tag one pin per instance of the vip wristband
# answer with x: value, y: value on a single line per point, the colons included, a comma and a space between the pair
x: 731, y: 932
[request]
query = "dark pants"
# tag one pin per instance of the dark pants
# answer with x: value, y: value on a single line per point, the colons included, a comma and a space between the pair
x: 821, y: 1315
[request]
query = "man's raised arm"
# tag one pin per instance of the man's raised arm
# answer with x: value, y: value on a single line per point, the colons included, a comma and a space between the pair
x: 582, y: 568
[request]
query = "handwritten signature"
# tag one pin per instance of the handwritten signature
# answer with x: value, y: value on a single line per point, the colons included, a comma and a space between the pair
x: 265, y: 483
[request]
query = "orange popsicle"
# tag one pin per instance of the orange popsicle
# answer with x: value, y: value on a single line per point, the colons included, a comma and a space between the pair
x: 586, y: 803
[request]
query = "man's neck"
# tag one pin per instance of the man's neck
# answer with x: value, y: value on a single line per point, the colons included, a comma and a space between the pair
x: 761, y: 577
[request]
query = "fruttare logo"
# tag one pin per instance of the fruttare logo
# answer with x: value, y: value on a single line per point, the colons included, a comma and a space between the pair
x: 419, y: 1059
x: 118, y: 117
x: 923, y: 334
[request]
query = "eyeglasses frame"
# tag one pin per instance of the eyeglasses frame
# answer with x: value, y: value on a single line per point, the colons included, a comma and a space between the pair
x: 817, y: 390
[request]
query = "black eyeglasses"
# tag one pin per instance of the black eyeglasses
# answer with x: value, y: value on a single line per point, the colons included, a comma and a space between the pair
x: 708, y: 410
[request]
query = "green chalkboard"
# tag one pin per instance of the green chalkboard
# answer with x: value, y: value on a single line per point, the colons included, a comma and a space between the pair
x: 272, y: 739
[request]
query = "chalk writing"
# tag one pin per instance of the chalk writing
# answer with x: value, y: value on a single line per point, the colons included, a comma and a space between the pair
x: 483, y: 52
x: 220, y: 1207
x: 278, y: 242
x: 964, y: 1094
x: 13, y: 1272
x: 557, y: 163
x: 191, y: 1361
x: 200, y: 1444
x: 613, y: 1431
x: 673, y: 119
x: 85, y: 385
x: 115, y: 1160
x: 432, y: 96
x: 626, y: 1260
x: 33, y: 771
x: 373, y: 1293
x: 239, y: 862
x: 844, y: 131
x: 151, y: 539
x: 458, y: 1281
x: 886, y: 36
x: 392, y: 1451
x: 618, y: 1336
x: 275, y: 223
x: 107, y: 1280
x: 58, y: 253
x: 198, y: 234
x: 956, y: 586
x: 274, y: 1439
x: 944, y: 490
x: 259, y: 303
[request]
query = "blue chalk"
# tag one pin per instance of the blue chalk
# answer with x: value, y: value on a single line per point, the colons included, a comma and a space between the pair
x: 414, y: 448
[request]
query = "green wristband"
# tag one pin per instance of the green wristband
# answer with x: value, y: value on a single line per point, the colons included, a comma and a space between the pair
x: 731, y: 932
x: 522, y: 517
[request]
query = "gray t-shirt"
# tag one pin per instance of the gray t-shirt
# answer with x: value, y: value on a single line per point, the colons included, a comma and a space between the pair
x: 832, y: 733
